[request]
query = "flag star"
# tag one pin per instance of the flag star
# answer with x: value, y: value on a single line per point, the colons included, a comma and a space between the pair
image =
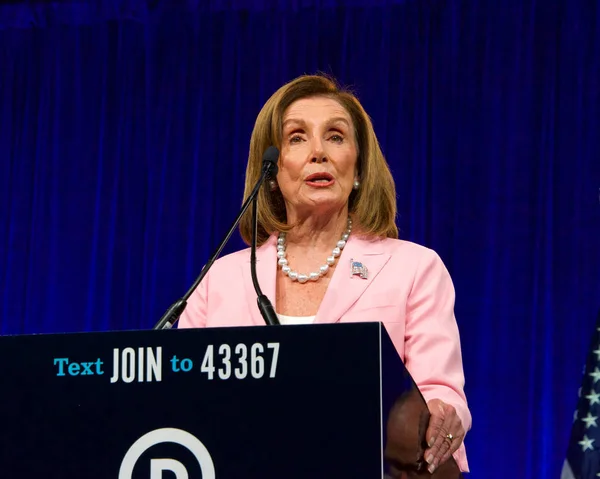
x: 595, y: 374
x: 589, y: 420
x: 575, y: 415
x: 597, y: 353
x: 586, y: 443
x: 594, y: 398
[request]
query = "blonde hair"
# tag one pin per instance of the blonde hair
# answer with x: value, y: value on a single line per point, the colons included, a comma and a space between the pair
x: 372, y: 206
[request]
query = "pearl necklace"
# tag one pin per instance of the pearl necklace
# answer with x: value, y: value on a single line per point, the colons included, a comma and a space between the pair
x: 314, y: 276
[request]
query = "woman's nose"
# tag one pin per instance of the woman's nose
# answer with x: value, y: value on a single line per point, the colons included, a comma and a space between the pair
x: 318, y: 152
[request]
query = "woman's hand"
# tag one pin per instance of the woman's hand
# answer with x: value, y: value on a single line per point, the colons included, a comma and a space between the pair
x: 444, y: 435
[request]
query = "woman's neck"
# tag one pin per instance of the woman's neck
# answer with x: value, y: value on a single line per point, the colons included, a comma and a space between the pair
x: 318, y: 233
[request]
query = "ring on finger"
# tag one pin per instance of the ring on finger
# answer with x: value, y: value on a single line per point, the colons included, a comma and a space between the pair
x: 450, y: 437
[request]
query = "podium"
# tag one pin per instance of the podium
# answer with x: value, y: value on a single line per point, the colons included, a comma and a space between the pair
x: 306, y: 401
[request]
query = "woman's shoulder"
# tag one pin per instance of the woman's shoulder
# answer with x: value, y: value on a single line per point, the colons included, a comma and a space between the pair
x: 406, y: 255
x: 399, y: 247
x: 242, y: 256
x: 232, y: 259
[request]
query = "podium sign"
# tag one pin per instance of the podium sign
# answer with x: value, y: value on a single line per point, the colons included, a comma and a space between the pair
x: 259, y: 402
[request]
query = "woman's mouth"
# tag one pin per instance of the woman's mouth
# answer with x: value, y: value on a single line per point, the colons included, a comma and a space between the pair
x: 319, y: 180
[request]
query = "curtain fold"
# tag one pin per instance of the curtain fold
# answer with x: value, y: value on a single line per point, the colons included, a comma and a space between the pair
x: 124, y: 130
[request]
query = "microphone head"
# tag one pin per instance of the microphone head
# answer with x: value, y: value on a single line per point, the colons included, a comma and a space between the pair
x: 269, y: 159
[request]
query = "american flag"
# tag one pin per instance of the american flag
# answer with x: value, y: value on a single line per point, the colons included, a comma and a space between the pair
x: 356, y: 267
x: 583, y: 454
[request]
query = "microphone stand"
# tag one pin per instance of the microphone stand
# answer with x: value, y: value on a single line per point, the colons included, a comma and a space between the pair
x: 264, y: 305
x: 171, y: 316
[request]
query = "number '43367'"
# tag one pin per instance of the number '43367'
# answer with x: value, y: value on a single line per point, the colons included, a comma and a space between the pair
x: 240, y: 361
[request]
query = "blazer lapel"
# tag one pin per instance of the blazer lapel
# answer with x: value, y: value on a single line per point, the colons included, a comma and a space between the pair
x: 345, y: 288
x: 266, y: 271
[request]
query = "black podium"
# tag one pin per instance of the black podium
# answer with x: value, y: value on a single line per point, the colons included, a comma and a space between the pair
x: 250, y: 402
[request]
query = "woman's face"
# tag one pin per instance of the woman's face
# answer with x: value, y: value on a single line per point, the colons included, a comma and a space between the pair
x: 318, y: 161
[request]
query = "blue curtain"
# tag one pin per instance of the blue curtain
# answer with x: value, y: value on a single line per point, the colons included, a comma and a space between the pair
x: 124, y: 129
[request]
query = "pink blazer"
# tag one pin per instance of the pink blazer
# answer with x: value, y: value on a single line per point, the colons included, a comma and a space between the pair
x: 408, y: 289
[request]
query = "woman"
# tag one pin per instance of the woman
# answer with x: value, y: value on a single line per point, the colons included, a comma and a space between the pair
x: 333, y: 202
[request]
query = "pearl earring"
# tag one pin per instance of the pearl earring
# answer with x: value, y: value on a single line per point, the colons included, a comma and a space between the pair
x: 356, y: 184
x: 273, y: 185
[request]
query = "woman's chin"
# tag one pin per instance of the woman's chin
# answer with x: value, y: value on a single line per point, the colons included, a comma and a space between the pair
x: 323, y: 204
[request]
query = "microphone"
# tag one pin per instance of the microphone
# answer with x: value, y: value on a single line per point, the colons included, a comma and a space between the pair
x: 171, y: 315
x: 264, y: 304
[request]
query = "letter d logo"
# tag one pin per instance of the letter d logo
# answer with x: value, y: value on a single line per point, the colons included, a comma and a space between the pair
x: 158, y: 466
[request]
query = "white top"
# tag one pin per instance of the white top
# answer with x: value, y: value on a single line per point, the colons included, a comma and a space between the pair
x: 295, y: 319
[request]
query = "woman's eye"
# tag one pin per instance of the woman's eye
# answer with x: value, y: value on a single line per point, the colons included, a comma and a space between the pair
x: 295, y: 139
x: 337, y: 138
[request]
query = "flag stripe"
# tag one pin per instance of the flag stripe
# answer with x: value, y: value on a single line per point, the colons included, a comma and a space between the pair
x: 567, y: 473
